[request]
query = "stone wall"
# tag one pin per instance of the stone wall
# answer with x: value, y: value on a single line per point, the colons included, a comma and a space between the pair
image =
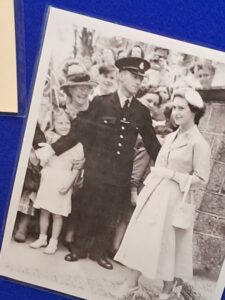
x: 209, y: 233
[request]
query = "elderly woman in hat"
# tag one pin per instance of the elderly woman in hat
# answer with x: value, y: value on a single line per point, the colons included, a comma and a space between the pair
x: 152, y: 245
x: 77, y: 87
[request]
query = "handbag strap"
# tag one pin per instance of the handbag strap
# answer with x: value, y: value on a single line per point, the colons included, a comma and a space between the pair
x: 187, y: 188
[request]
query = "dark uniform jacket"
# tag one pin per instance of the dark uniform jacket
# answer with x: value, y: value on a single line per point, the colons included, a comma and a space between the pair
x: 109, y: 137
x: 39, y: 137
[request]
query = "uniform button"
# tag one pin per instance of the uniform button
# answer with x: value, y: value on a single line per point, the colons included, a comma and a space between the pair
x: 118, y: 152
x: 105, y: 121
x: 123, y: 128
x: 119, y: 144
x: 121, y: 136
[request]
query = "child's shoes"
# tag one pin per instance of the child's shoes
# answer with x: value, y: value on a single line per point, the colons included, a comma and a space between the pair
x: 40, y: 242
x: 52, y: 246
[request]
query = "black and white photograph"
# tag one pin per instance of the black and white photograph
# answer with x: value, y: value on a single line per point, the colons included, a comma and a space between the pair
x: 120, y: 186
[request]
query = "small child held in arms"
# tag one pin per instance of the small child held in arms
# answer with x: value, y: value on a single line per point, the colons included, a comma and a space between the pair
x: 57, y: 178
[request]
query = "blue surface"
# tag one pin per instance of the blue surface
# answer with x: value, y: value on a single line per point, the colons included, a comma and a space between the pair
x: 200, y: 22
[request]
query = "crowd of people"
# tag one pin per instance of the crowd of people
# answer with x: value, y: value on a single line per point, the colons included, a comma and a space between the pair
x: 115, y: 144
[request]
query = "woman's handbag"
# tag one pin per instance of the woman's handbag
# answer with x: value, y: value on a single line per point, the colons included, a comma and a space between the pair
x: 184, y: 213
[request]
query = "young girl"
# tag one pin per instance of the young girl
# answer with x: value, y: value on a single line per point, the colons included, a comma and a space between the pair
x: 57, y: 177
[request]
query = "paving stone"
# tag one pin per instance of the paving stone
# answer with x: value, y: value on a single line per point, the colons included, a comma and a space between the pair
x: 219, y: 228
x: 205, y: 223
x: 198, y: 196
x: 209, y: 252
x: 218, y: 148
x: 214, y: 204
x: 203, y: 124
x: 223, y: 187
x: 216, y: 123
x: 216, y: 177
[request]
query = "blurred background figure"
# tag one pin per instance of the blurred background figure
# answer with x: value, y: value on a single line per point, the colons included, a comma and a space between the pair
x: 181, y: 66
x: 219, y: 78
x: 108, y: 56
x: 159, y: 58
x: 121, y: 53
x: 136, y: 51
x: 107, y: 80
x: 153, y: 101
x: 87, y: 62
x: 159, y: 73
x: 204, y: 73
x: 164, y: 92
x: 96, y: 63
x: 159, y: 108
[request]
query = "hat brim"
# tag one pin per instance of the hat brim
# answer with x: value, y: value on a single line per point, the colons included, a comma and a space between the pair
x: 134, y: 72
x: 82, y: 83
x: 133, y: 64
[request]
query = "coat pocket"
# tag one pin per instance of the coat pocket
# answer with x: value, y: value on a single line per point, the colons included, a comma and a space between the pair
x: 110, y: 121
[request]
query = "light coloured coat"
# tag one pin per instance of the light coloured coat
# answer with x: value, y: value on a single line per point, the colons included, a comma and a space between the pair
x: 152, y: 244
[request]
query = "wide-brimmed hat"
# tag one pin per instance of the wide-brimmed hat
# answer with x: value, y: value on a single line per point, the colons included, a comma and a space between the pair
x: 76, y: 76
x: 135, y: 65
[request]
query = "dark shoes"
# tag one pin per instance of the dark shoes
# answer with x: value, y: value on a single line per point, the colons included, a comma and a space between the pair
x: 102, y: 261
x: 75, y: 256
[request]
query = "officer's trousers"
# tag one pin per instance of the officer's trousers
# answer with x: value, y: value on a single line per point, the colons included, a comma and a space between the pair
x: 99, y: 210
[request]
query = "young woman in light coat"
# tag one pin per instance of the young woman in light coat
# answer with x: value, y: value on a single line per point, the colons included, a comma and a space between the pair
x: 152, y: 245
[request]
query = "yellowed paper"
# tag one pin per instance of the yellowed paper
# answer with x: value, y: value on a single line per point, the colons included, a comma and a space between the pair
x: 8, y: 79
x: 86, y: 278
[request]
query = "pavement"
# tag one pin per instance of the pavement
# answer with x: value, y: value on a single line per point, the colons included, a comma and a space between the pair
x: 84, y: 279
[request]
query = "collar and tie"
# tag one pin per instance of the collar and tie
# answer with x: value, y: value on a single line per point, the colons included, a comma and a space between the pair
x: 126, y: 106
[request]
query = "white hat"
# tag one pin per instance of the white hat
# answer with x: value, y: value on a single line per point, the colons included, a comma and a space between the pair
x: 191, y: 96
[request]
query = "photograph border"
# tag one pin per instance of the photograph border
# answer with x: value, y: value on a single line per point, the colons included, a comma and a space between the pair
x: 54, y: 15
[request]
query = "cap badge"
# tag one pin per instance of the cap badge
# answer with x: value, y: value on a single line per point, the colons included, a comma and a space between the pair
x: 141, y: 66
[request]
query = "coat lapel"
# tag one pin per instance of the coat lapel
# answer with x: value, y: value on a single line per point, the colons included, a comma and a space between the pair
x: 133, y: 105
x: 116, y: 102
x: 133, y: 108
x: 178, y: 141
